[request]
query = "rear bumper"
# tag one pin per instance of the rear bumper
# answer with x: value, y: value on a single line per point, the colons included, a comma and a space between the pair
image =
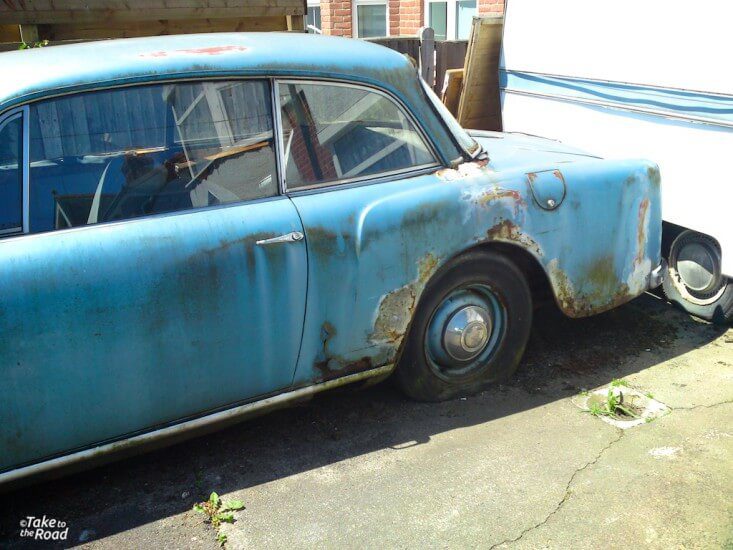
x: 657, y: 275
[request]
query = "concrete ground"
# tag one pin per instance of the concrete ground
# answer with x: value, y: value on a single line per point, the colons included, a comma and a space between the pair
x: 519, y: 466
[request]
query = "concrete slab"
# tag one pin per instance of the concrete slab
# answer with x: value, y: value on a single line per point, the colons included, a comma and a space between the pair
x: 517, y: 466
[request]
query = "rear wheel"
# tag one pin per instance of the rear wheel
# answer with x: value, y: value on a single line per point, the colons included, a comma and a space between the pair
x: 470, y: 328
x: 694, y: 280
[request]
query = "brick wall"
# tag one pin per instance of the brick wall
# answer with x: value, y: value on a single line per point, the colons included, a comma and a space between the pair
x: 411, y: 17
x: 336, y: 17
x: 490, y: 7
x: 405, y: 16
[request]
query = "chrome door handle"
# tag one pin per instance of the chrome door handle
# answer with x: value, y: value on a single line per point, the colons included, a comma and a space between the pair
x: 292, y: 237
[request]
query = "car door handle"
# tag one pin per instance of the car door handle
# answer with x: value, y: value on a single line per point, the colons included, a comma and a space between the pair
x: 292, y: 237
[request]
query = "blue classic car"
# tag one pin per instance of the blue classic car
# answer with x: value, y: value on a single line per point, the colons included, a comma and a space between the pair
x: 195, y: 228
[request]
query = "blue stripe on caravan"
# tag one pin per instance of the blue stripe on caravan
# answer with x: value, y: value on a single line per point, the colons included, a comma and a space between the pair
x: 685, y: 104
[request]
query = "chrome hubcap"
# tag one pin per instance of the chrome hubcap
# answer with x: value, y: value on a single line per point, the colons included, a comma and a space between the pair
x: 696, y: 266
x: 464, y: 331
x: 467, y: 333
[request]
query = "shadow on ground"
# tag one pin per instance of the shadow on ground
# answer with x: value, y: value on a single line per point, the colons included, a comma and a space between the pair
x: 564, y: 356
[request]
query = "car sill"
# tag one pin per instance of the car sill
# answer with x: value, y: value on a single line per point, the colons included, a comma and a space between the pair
x: 190, y: 426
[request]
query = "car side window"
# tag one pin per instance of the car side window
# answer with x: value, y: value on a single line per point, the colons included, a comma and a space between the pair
x: 130, y: 152
x: 11, y: 175
x: 335, y: 132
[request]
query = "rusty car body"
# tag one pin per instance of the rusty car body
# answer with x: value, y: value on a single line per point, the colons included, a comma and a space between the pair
x: 171, y: 259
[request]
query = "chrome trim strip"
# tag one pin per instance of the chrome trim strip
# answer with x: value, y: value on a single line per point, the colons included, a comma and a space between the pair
x: 277, y: 135
x: 26, y: 169
x: 20, y: 112
x: 229, y: 414
x: 382, y: 176
x: 379, y: 178
x: 619, y: 107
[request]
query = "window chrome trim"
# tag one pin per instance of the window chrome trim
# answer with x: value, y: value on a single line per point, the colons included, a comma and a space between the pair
x: 377, y: 179
x: 358, y: 179
x: 26, y: 169
x: 278, y: 135
x: 23, y: 164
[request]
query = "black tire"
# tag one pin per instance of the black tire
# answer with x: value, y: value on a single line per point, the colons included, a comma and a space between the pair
x: 417, y: 374
x: 720, y: 311
x: 713, y: 302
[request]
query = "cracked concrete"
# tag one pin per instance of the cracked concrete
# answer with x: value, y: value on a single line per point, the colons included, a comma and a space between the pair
x: 519, y: 466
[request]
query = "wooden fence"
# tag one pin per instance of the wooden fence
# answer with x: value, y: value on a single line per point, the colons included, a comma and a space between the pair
x: 433, y: 57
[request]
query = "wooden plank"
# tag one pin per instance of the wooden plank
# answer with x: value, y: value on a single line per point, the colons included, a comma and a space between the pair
x: 29, y: 34
x: 427, y: 54
x: 449, y: 54
x: 122, y: 5
x: 452, y: 90
x: 9, y: 33
x: 258, y: 8
x: 102, y: 29
x: 296, y: 23
x: 479, y: 106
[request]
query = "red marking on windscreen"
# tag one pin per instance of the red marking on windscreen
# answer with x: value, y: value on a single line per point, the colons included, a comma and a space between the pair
x: 211, y: 50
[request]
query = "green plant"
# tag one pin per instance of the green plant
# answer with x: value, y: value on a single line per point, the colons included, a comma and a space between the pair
x: 218, y: 512
x: 611, y: 406
x: 617, y: 382
x: 649, y: 395
x: 25, y: 45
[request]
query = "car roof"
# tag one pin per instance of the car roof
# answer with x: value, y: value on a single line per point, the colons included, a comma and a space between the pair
x: 41, y: 72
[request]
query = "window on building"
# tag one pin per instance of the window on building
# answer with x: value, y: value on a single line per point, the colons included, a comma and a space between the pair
x: 130, y: 152
x: 11, y: 174
x: 338, y: 132
x: 313, y: 17
x: 371, y: 19
x: 450, y: 19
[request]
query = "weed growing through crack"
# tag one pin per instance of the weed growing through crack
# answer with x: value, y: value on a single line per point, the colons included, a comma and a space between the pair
x: 612, y: 406
x: 617, y: 382
x: 218, y: 512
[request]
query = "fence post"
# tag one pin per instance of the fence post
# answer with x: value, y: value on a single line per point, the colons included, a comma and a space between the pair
x: 427, y: 54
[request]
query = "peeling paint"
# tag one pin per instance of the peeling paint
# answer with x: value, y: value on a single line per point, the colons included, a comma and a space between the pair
x: 608, y: 292
x: 396, y: 308
x: 211, y: 50
x: 508, y: 231
x: 464, y: 170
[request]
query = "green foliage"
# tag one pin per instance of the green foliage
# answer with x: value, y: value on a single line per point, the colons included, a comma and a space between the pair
x: 616, y: 382
x: 612, y: 405
x: 218, y: 512
x: 27, y: 46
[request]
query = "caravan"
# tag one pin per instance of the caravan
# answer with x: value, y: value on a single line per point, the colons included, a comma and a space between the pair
x: 644, y: 79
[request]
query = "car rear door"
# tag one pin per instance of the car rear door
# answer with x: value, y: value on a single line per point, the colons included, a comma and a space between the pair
x: 354, y: 161
x: 161, y: 277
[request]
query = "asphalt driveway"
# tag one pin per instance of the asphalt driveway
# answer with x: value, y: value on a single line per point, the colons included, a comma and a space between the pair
x: 519, y: 466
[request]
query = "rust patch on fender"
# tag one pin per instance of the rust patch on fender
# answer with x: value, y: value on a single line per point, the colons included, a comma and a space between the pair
x: 508, y: 231
x: 641, y: 231
x: 396, y: 308
x: 608, y: 291
x: 496, y: 193
x: 654, y: 176
x: 330, y: 365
